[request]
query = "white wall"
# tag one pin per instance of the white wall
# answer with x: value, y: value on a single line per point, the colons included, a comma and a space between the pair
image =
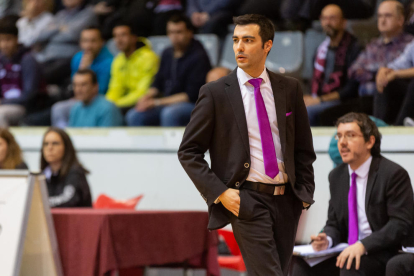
x: 125, y: 162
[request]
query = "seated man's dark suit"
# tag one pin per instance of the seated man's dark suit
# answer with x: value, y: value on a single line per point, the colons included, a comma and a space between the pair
x: 389, y: 210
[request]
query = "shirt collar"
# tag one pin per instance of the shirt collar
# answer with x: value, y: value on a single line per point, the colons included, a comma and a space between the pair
x: 244, y: 77
x: 394, y: 40
x: 363, y: 170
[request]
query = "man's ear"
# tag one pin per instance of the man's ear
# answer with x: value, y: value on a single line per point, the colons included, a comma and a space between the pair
x: 268, y: 46
x: 371, y: 142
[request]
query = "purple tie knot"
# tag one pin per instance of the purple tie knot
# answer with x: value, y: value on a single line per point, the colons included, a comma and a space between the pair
x: 255, y: 82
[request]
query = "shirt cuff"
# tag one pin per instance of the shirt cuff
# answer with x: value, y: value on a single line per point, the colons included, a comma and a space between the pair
x: 330, y: 242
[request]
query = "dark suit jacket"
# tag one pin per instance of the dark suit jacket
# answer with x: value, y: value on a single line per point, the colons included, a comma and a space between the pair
x: 388, y: 205
x: 218, y: 124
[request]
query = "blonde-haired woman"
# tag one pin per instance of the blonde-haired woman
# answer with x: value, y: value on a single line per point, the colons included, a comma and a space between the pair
x: 35, y: 17
x: 10, y: 152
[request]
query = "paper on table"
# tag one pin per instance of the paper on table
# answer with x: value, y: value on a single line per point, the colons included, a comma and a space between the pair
x: 408, y: 249
x: 314, y: 257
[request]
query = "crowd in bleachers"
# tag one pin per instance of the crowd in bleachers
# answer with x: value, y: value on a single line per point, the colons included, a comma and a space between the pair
x: 153, y: 80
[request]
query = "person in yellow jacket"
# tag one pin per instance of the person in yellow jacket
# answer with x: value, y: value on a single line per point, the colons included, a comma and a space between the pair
x: 133, y: 69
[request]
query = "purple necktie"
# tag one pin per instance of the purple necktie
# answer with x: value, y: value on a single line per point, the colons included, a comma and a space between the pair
x: 352, y: 212
x: 268, y: 147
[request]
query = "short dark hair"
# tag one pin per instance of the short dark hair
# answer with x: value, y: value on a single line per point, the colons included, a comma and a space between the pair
x: 266, y: 27
x: 179, y: 17
x: 94, y: 28
x: 125, y: 23
x: 88, y: 72
x: 8, y: 25
x: 367, y: 126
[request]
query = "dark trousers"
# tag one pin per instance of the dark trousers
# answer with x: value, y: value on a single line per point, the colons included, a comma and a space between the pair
x: 396, y: 102
x: 371, y: 265
x: 57, y: 71
x: 401, y: 265
x: 266, y: 229
x: 352, y: 9
x: 329, y: 116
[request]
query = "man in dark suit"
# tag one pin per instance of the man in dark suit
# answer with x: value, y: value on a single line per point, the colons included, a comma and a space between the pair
x: 254, y: 124
x: 371, y: 206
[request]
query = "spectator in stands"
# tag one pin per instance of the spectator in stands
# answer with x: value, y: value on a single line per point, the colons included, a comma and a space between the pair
x: 217, y: 73
x: 10, y: 7
x: 35, y: 18
x: 268, y: 8
x: 311, y: 9
x: 382, y: 50
x: 20, y: 77
x: 378, y: 53
x: 211, y: 16
x: 10, y: 152
x: 132, y: 70
x: 92, y: 110
x: 163, y: 11
x: 58, y: 42
x: 333, y: 58
x: 137, y: 12
x: 95, y: 56
x: 371, y: 206
x: 65, y: 176
x: 183, y: 70
x: 395, y: 83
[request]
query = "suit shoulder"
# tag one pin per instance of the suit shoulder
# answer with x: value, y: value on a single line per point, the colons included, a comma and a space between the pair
x: 217, y: 85
x: 336, y: 172
x: 389, y: 166
x: 291, y: 81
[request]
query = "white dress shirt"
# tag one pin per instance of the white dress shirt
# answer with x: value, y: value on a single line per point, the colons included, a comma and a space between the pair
x: 364, y: 230
x: 257, y: 171
x: 30, y: 30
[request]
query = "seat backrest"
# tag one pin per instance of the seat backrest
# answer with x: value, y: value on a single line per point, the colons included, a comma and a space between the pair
x: 210, y: 43
x: 228, y: 237
x: 286, y: 56
x: 105, y: 202
x: 313, y: 38
x: 159, y: 43
x: 227, y: 55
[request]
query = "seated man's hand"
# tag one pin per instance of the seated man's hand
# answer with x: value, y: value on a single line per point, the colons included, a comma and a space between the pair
x: 144, y: 104
x: 310, y: 100
x: 320, y: 242
x: 381, y: 79
x: 350, y: 253
x: 231, y: 200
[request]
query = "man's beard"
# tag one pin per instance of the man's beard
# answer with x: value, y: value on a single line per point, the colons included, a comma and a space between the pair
x: 331, y: 32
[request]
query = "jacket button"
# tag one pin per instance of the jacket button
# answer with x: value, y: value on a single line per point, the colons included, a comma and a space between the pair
x: 246, y: 165
x: 237, y: 184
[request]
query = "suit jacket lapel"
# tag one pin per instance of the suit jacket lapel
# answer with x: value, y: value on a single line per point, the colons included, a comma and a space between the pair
x: 344, y: 191
x: 372, y: 175
x: 279, y: 93
x: 236, y: 102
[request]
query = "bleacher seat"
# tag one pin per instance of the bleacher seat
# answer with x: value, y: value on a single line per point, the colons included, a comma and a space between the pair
x: 110, y: 44
x: 286, y: 56
x: 227, y: 55
x: 209, y: 41
x: 313, y: 38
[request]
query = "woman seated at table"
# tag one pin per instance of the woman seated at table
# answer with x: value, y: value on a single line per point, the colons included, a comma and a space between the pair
x: 65, y: 176
x: 10, y: 152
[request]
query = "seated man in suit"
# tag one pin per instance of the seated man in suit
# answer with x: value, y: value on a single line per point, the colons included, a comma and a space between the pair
x: 371, y: 206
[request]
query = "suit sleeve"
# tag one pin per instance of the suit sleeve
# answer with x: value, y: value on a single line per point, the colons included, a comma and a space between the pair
x: 400, y: 212
x: 304, y: 153
x: 195, y: 143
x: 332, y: 228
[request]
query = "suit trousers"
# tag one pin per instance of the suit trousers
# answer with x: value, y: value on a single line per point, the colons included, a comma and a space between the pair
x: 265, y: 230
x: 371, y: 265
x: 401, y: 265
